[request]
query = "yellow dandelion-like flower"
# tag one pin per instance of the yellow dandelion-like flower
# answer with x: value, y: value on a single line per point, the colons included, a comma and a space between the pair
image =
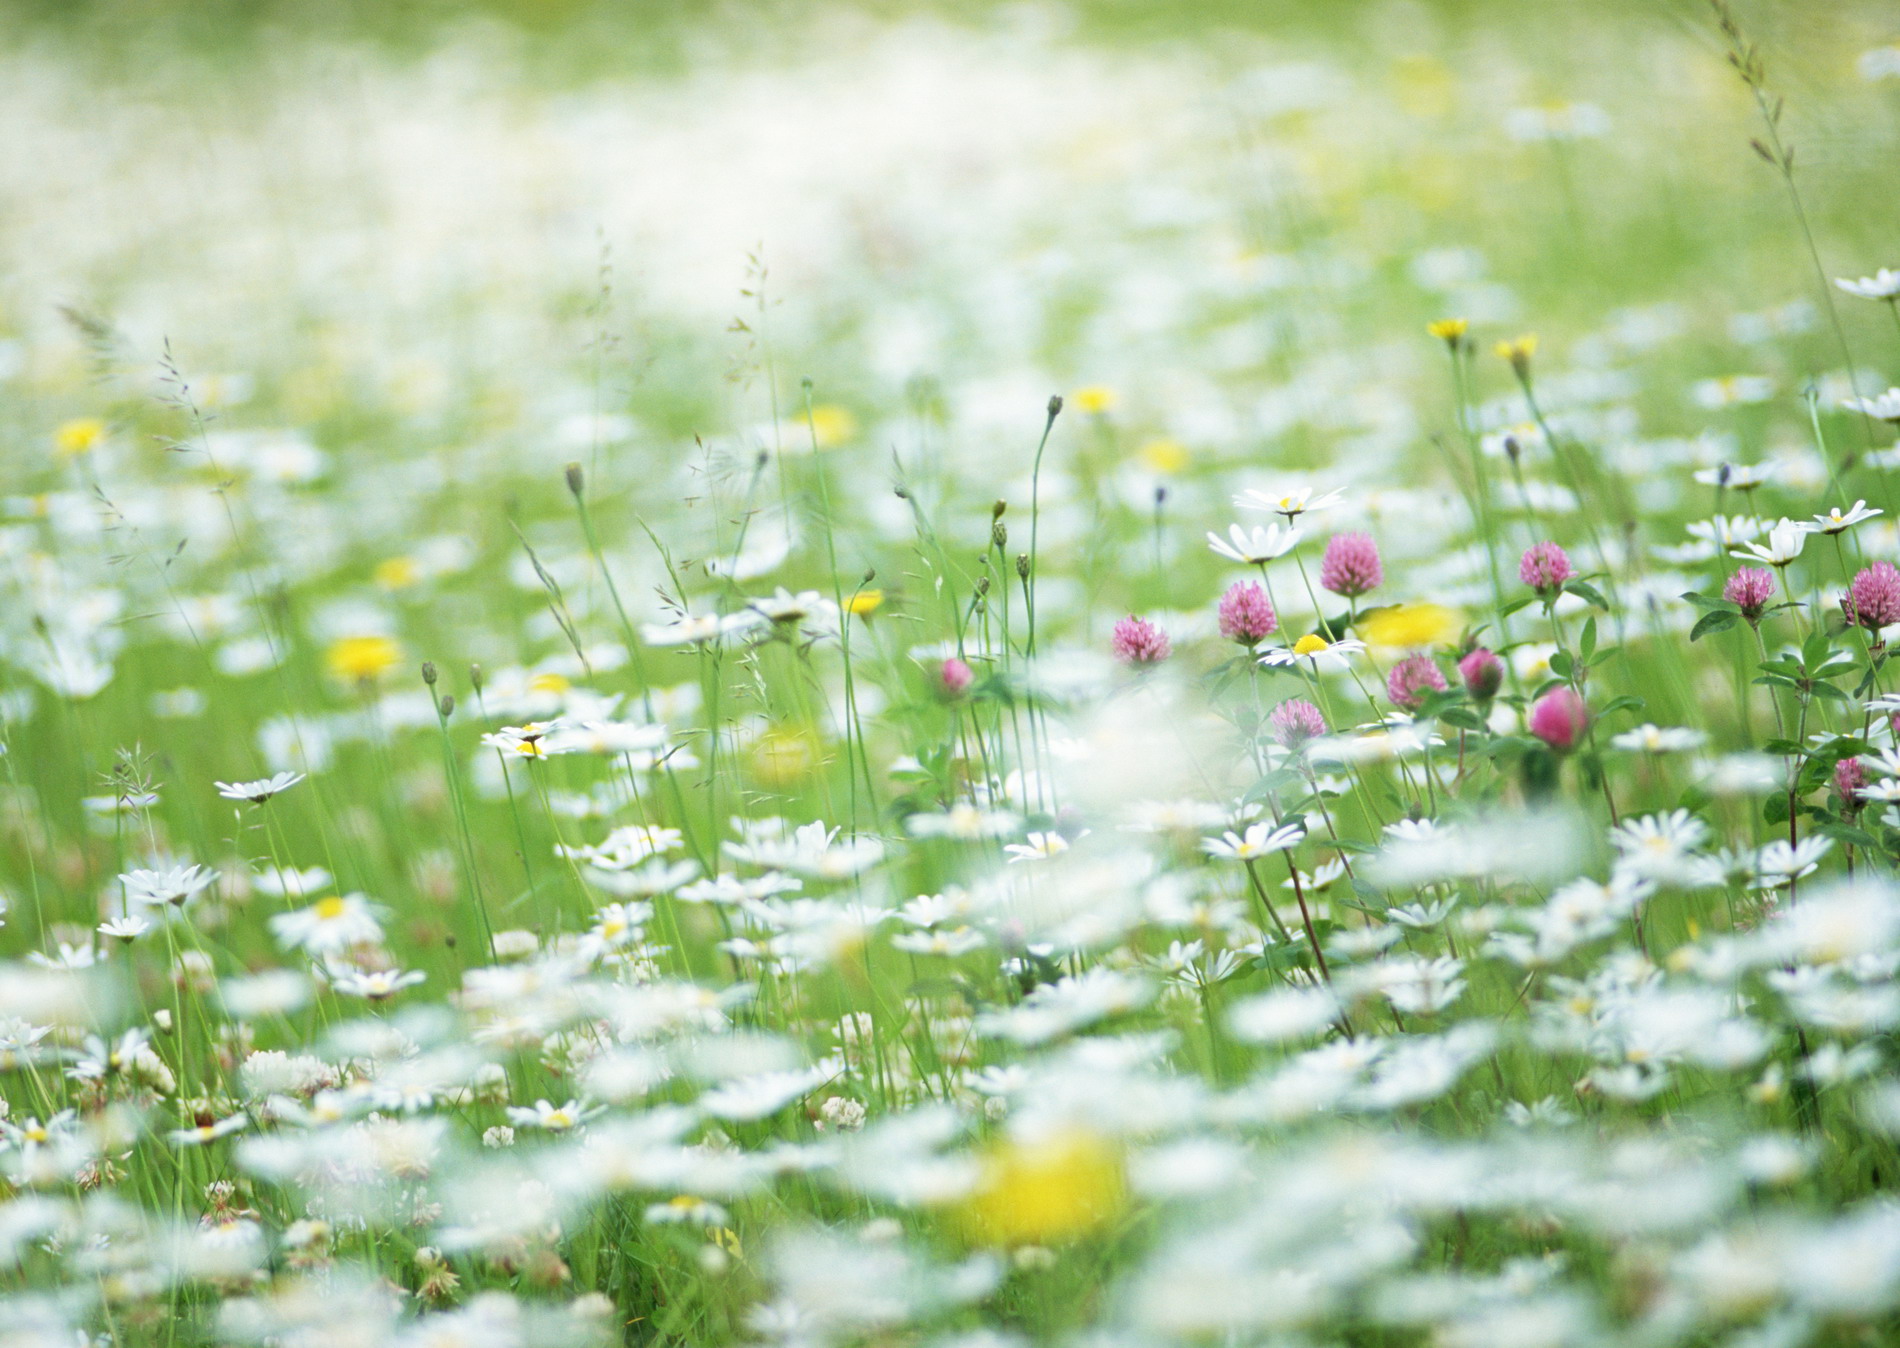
x: 549, y: 682
x: 1518, y: 351
x: 784, y: 757
x: 81, y: 435
x: 1095, y: 399
x: 864, y: 603
x: 397, y: 573
x: 1408, y: 626
x: 832, y: 425
x: 362, y: 659
x: 1164, y: 456
x: 1046, y: 1191
x: 1449, y: 330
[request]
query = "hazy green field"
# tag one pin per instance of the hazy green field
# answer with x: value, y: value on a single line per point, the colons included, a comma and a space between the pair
x: 966, y: 675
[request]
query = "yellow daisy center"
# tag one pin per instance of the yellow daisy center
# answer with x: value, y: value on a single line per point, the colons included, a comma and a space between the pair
x: 1311, y: 644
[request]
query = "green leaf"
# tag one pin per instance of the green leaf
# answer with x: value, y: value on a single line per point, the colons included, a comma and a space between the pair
x: 1714, y: 621
x: 1583, y: 589
x: 1587, y: 643
x: 1710, y: 602
x: 1775, y: 809
x: 1847, y: 833
x: 1464, y: 718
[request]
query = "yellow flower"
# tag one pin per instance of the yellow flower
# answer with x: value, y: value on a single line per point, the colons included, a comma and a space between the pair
x: 1045, y: 1192
x: 397, y: 573
x: 1311, y: 644
x: 1518, y: 351
x: 832, y: 425
x: 784, y: 757
x: 81, y: 435
x: 362, y: 659
x: 549, y: 682
x: 1164, y: 456
x: 1449, y: 330
x: 864, y: 603
x: 1095, y: 399
x: 1410, y: 625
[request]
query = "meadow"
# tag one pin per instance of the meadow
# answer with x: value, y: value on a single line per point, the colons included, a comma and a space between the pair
x: 1102, y: 675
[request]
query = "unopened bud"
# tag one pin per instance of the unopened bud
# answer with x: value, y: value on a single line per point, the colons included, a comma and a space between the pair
x: 996, y: 511
x: 575, y: 478
x: 1022, y: 566
x: 1055, y: 405
x: 999, y: 534
x: 475, y: 677
x: 428, y: 672
x: 982, y: 585
x: 447, y: 705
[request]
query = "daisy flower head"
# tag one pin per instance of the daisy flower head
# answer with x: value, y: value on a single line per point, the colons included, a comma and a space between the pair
x: 1882, y: 285
x: 1136, y: 641
x: 1261, y: 839
x: 169, y: 887
x: 1037, y: 847
x: 127, y: 928
x: 1655, y: 739
x: 1786, y: 539
x: 208, y: 1131
x: 1290, y: 505
x: 1838, y: 521
x: 520, y: 741
x: 553, y: 1118
x: 372, y: 985
x: 1317, y: 652
x: 1350, y: 566
x: 328, y: 926
x: 1246, y: 615
x: 1881, y: 407
x: 1781, y: 863
x: 1737, y: 476
x: 1257, y: 545
x: 261, y: 790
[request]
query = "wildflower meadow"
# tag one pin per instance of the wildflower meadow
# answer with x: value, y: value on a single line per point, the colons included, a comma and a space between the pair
x: 1106, y: 675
